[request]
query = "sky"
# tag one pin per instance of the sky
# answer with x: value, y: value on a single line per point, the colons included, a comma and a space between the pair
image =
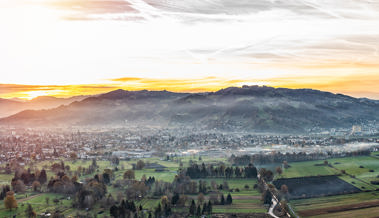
x: 80, y: 47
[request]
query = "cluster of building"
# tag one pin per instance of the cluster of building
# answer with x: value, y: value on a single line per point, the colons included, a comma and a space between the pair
x: 49, y: 144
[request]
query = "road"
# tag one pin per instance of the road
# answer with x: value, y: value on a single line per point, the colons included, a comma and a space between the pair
x: 274, y: 200
x: 271, y: 209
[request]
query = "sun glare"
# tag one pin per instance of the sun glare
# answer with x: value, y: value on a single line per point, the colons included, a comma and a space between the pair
x: 33, y: 94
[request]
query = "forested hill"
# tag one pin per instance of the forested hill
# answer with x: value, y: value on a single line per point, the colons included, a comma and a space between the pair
x: 249, y: 108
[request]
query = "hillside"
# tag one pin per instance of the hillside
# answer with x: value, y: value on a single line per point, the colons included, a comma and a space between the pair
x: 263, y: 109
x: 12, y: 106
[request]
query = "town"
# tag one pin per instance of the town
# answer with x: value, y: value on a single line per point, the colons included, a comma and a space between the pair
x: 24, y: 144
x: 152, y: 172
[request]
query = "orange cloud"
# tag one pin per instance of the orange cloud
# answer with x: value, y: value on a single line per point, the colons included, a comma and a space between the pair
x: 31, y: 91
x: 180, y: 85
x: 362, y: 85
x: 355, y: 85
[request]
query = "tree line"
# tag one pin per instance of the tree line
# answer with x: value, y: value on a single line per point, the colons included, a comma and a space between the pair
x: 279, y: 157
x: 196, y: 171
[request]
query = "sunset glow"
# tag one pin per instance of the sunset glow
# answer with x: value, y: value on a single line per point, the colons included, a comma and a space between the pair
x: 66, y: 47
x: 189, y: 108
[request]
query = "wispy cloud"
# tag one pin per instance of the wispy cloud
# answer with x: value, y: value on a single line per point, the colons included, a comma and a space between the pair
x: 351, y: 85
x: 171, y: 40
x: 221, y: 10
x: 95, y: 9
x: 128, y: 83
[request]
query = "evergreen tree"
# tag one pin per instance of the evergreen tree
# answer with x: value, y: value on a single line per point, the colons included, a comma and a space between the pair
x: 229, y: 199
x: 42, y: 177
x: 132, y: 206
x: 114, y: 211
x: 175, y: 199
x: 30, y: 212
x: 198, y: 211
x: 209, y: 208
x: 94, y: 163
x: 222, y: 201
x: 106, y: 178
x: 267, y: 197
x: 205, y: 208
x: 122, y: 208
x: 4, y: 191
x: 167, y: 210
x: 158, y: 210
x: 192, y: 208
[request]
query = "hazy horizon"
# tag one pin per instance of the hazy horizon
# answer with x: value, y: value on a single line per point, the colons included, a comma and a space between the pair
x: 111, y: 89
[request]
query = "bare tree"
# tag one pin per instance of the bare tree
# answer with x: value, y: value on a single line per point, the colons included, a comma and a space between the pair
x: 140, y: 165
x: 279, y: 170
x: 200, y: 198
x: 10, y: 201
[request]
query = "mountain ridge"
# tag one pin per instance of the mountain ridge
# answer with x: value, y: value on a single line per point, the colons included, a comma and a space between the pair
x: 255, y: 108
x: 9, y: 107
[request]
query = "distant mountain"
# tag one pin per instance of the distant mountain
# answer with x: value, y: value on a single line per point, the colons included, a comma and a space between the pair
x: 15, y: 105
x: 9, y: 107
x: 18, y: 99
x: 250, y: 108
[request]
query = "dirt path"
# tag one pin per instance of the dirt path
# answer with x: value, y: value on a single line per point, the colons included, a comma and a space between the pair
x: 28, y: 198
x: 247, y: 197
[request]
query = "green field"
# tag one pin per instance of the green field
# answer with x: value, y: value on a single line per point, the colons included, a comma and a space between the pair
x: 245, y: 200
x: 357, y: 173
x: 38, y: 203
x: 5, y: 178
x: 352, y: 165
x: 307, y: 168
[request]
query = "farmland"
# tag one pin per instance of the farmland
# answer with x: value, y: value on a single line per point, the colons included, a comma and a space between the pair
x: 320, y: 206
x: 307, y: 168
x: 246, y: 199
x: 331, y: 187
x: 308, y: 187
x: 357, y: 171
